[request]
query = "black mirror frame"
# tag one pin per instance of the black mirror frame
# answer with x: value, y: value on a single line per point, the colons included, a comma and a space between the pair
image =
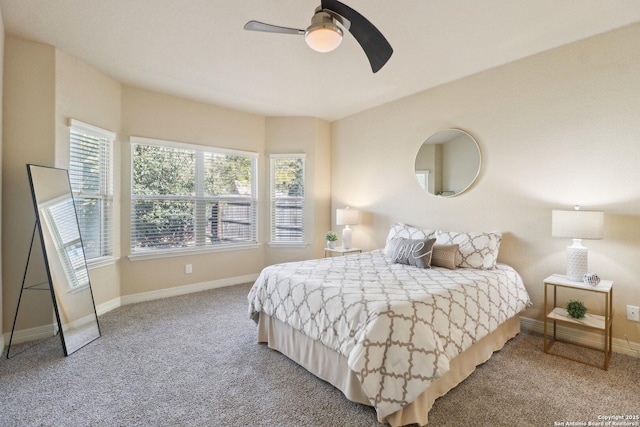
x: 54, y: 287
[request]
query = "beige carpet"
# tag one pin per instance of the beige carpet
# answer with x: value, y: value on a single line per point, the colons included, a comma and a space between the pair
x: 193, y: 360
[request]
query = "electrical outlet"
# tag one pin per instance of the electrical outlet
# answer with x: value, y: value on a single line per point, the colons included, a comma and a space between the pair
x: 633, y: 313
x: 188, y: 269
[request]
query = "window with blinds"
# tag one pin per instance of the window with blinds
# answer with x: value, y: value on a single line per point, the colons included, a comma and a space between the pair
x: 188, y: 197
x: 287, y: 199
x: 91, y: 177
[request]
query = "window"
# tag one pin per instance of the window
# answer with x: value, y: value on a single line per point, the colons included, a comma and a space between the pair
x: 91, y: 177
x: 186, y: 197
x: 287, y: 199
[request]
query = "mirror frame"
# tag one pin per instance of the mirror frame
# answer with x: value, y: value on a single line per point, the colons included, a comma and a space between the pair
x: 477, y: 172
x: 59, y: 290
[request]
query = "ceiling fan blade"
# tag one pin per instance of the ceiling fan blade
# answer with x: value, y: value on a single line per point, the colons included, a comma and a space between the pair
x: 268, y: 28
x: 375, y: 46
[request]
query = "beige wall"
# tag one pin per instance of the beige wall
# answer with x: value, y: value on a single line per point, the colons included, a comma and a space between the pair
x: 85, y: 94
x: 48, y: 87
x: 28, y: 137
x: 1, y: 80
x: 311, y: 136
x: 555, y: 129
x: 152, y: 115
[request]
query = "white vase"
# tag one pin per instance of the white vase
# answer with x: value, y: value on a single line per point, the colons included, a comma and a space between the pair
x: 330, y: 244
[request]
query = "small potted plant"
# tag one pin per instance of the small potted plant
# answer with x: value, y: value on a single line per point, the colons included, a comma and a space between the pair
x: 576, y: 309
x: 331, y: 238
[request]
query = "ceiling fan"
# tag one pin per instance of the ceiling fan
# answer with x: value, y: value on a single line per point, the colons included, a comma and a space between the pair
x: 324, y: 34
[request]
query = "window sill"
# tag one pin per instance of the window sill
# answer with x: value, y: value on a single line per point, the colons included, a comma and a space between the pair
x: 139, y: 256
x: 288, y: 244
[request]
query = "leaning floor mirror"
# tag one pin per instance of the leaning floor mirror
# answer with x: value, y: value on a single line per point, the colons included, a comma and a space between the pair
x: 64, y: 257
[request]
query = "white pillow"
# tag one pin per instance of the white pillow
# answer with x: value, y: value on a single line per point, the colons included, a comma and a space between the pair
x: 475, y: 249
x: 408, y: 232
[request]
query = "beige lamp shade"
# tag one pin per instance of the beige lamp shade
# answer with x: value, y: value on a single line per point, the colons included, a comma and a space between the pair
x: 347, y: 216
x: 577, y: 224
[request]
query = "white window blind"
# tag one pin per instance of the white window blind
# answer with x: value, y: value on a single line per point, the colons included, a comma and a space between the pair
x: 91, y: 176
x: 287, y: 198
x: 187, y: 197
x: 61, y: 221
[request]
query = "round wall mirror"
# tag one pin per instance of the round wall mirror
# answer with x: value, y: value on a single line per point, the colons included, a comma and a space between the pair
x: 448, y: 162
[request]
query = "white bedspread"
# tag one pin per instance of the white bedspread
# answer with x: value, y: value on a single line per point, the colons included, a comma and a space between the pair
x: 398, y: 326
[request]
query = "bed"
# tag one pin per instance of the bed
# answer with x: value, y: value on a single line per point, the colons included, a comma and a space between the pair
x: 387, y: 333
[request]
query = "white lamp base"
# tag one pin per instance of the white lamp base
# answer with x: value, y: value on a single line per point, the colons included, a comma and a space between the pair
x: 346, y: 237
x: 577, y: 257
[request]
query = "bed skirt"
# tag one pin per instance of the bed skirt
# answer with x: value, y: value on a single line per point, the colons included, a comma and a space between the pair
x: 332, y: 367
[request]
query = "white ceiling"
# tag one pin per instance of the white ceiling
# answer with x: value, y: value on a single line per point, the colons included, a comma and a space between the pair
x: 197, y: 48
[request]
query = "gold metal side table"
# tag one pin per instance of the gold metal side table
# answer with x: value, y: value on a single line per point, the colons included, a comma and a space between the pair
x: 555, y: 314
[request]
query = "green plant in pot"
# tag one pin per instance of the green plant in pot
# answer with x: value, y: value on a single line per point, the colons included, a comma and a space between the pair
x: 576, y: 309
x: 331, y: 238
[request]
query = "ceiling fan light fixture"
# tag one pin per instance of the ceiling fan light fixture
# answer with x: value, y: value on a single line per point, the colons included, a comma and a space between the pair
x: 323, y: 35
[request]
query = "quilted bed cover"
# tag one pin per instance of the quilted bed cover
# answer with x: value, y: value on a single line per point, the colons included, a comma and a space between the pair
x: 397, y: 325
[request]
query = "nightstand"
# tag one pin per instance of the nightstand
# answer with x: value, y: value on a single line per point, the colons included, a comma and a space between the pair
x: 555, y: 314
x: 340, y: 250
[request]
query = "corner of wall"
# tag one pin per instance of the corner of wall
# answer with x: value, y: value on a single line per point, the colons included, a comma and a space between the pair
x: 311, y: 136
x: 1, y: 132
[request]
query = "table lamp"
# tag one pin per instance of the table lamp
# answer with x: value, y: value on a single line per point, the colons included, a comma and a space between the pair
x: 577, y: 225
x: 347, y: 217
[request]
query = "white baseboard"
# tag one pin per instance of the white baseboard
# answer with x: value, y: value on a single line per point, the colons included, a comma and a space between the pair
x: 106, y: 307
x: 187, y: 289
x: 591, y: 339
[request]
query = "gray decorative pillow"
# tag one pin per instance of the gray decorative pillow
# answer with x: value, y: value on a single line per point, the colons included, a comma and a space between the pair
x: 399, y: 230
x: 413, y: 252
x: 444, y: 256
